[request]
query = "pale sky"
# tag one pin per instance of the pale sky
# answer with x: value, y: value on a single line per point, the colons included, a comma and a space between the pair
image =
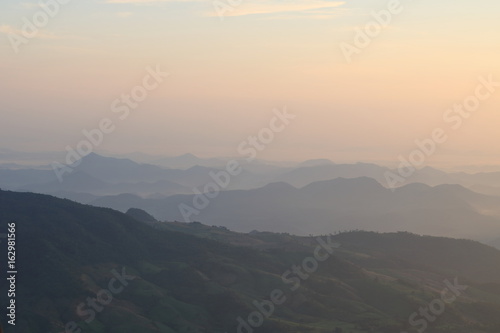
x: 226, y: 76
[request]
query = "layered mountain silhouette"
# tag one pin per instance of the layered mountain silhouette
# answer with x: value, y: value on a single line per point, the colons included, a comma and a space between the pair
x: 335, y: 205
x: 150, y: 179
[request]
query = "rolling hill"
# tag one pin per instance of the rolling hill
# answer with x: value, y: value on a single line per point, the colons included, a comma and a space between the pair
x: 170, y: 281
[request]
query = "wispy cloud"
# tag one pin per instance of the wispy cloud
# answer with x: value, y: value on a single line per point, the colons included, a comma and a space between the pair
x: 8, y: 30
x: 145, y: 2
x: 315, y: 9
x: 272, y: 7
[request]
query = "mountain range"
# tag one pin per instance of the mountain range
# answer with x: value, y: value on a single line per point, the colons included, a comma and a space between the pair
x: 334, y: 205
x: 190, y: 174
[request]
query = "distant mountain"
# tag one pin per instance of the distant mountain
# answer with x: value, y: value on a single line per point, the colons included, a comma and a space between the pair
x: 187, y: 161
x: 163, y: 187
x: 124, y: 202
x: 340, y: 204
x: 488, y: 190
x: 432, y: 177
x: 17, y: 178
x: 28, y: 159
x: 184, y: 161
x: 99, y: 175
x: 151, y: 179
x: 495, y: 243
x: 115, y: 170
x: 168, y: 281
x: 481, y: 178
x: 17, y: 166
x: 84, y: 198
x: 79, y: 182
x: 315, y: 162
x: 314, y: 171
x: 305, y: 175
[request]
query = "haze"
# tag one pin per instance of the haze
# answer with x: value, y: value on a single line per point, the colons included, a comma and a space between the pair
x: 226, y: 77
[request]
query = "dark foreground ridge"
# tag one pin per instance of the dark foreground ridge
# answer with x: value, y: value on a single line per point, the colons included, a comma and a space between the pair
x: 88, y: 269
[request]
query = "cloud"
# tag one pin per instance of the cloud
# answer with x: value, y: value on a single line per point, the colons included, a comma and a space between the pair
x: 304, y: 7
x: 144, y: 2
x: 282, y: 9
x: 9, y: 30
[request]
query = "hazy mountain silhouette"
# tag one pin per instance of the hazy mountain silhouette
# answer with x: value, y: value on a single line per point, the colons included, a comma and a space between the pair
x: 313, y: 172
x: 115, y: 170
x: 339, y: 204
x: 15, y: 179
x: 79, y: 182
x: 304, y: 175
x: 315, y: 162
x: 187, y: 161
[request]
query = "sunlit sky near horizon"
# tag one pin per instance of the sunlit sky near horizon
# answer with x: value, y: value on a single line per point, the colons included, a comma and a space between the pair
x: 226, y: 76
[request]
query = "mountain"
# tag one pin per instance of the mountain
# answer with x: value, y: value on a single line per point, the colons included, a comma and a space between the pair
x: 335, y: 205
x: 305, y: 175
x: 315, y: 162
x: 104, y: 271
x: 160, y: 187
x: 141, y: 216
x: 187, y: 161
x: 77, y: 181
x: 122, y: 175
x: 16, y: 178
x: 488, y: 190
x: 105, y: 169
x: 432, y: 177
x: 480, y: 178
x: 28, y: 159
x: 434, y: 253
x: 495, y: 243
x: 79, y: 184
x: 314, y: 171
x: 115, y: 170
x: 193, y: 172
x: 84, y: 198
x: 99, y: 175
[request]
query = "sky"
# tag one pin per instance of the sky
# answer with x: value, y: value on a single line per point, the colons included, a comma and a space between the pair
x: 230, y: 63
